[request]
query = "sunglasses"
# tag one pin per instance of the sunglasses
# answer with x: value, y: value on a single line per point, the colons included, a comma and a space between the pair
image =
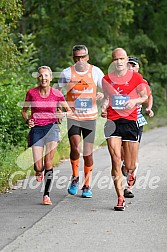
x: 80, y: 57
x: 132, y: 64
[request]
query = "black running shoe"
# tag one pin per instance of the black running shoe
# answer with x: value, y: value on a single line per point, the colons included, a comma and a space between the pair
x: 128, y: 194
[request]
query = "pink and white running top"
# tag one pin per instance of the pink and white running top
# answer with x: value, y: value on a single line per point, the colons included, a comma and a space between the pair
x: 43, y: 109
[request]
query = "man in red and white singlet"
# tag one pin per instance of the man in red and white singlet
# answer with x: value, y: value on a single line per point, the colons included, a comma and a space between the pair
x: 123, y: 91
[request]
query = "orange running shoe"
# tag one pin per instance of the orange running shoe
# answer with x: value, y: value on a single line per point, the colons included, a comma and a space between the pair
x: 131, y: 179
x: 39, y: 176
x: 47, y: 200
x: 121, y: 204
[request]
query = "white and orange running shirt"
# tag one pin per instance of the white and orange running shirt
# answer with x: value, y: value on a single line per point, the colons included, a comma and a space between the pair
x: 81, y: 91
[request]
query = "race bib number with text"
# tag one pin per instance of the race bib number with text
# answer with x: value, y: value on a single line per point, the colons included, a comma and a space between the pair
x: 83, y: 103
x: 141, y: 120
x: 118, y: 101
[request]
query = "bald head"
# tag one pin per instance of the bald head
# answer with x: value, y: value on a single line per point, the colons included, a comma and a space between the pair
x: 119, y: 53
x: 120, y: 61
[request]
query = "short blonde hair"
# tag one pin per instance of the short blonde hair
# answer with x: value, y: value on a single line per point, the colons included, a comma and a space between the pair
x: 45, y: 67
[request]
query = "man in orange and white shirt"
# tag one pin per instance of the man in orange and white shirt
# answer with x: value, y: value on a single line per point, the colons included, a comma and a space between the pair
x: 81, y: 81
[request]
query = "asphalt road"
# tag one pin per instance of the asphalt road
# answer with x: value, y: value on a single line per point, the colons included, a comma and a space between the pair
x: 76, y: 224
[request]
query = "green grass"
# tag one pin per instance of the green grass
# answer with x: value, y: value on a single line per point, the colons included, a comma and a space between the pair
x: 8, y: 166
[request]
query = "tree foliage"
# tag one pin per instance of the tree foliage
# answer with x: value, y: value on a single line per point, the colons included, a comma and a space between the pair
x: 10, y: 12
x: 18, y: 59
x: 62, y: 24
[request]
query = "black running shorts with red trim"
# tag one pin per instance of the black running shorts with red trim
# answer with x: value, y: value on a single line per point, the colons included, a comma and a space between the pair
x: 86, y: 128
x: 127, y: 130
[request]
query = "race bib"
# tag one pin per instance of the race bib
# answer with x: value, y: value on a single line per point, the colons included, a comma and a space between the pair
x: 83, y: 103
x: 118, y: 101
x: 141, y: 120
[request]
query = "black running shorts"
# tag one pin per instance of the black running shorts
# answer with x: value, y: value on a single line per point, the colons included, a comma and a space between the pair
x: 86, y: 128
x: 127, y: 130
x: 140, y: 132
